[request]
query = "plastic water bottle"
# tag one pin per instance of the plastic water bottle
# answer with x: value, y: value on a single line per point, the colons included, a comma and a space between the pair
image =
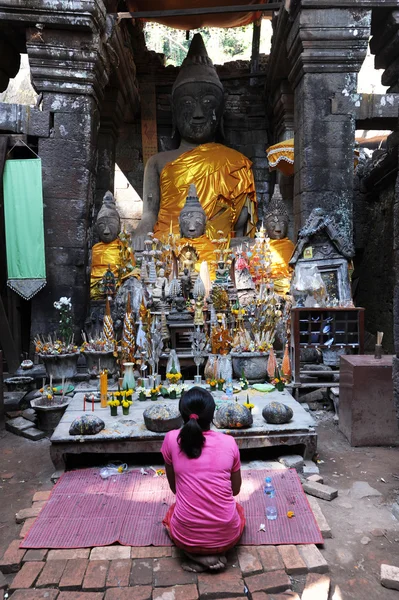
x: 229, y: 388
x: 270, y: 499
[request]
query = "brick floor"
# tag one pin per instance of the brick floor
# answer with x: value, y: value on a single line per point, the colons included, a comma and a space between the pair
x: 155, y: 573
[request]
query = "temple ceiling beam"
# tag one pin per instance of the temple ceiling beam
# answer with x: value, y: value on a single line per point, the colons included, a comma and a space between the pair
x: 370, y: 111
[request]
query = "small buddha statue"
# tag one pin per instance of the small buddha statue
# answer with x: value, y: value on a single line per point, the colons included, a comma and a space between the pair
x: 276, y: 223
x: 223, y: 176
x: 187, y: 262
x: 105, y: 254
x: 186, y: 283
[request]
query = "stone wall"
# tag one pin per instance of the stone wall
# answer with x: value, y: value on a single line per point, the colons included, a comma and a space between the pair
x: 374, y: 241
x: 244, y: 123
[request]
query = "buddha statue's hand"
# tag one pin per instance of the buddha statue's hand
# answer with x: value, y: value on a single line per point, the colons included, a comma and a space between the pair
x: 138, y: 242
x: 140, y: 234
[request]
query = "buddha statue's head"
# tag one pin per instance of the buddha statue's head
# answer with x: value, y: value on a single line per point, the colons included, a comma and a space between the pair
x: 192, y: 218
x: 197, y: 96
x: 108, y: 224
x: 276, y: 219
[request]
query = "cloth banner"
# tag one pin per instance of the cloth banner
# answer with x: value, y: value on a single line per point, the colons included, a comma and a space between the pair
x: 23, y: 216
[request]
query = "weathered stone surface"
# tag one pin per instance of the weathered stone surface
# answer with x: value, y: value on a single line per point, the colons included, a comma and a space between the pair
x: 109, y: 552
x: 310, y: 468
x: 68, y: 554
x: 320, y: 518
x: 12, y: 558
x: 315, y: 478
x: 313, y: 558
x: 325, y: 492
x: 26, y: 577
x: 233, y: 416
x: 274, y: 581
x: 390, y: 577
x: 18, y: 425
x: 293, y: 561
x: 86, y: 425
x: 249, y: 560
x: 277, y: 413
x: 361, y: 489
x: 33, y: 434
x: 292, y: 461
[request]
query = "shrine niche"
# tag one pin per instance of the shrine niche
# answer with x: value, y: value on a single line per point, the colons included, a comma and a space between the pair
x: 320, y: 245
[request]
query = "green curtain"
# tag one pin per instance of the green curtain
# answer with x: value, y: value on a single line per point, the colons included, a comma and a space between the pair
x: 23, y: 215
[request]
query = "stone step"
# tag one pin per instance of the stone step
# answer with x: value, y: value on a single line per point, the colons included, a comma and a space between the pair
x: 18, y: 425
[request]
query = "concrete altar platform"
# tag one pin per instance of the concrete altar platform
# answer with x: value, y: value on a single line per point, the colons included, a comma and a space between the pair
x: 128, y: 434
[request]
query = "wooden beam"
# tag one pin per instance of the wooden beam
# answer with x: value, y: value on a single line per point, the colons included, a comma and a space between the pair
x: 184, y: 12
x: 349, y: 4
x: 371, y: 111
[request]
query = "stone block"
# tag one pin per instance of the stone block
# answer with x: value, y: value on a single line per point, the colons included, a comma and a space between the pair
x: 310, y: 468
x: 26, y: 577
x: 168, y: 573
x: 293, y: 562
x: 325, y: 492
x: 292, y: 461
x: 315, y: 478
x: 42, y: 496
x: 390, y: 577
x: 27, y: 513
x: 18, y: 425
x: 3, y: 582
x: 26, y: 526
x: 51, y: 574
x: 109, y: 552
x: 96, y: 575
x: 35, y: 595
x: 138, y: 592
x: 119, y: 573
x: 270, y: 558
x: 33, y: 434
x: 12, y: 558
x: 32, y: 555
x: 151, y: 552
x: 177, y: 592
x: 249, y: 561
x: 82, y: 596
x: 317, y: 587
x: 313, y: 558
x: 29, y: 414
x: 142, y: 572
x: 68, y: 554
x: 274, y: 581
x: 13, y: 400
x: 320, y: 518
x: 221, y: 585
x: 73, y: 574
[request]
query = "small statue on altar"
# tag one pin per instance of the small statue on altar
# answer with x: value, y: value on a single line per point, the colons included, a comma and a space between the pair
x: 199, y: 311
x: 281, y: 248
x: 109, y: 252
x: 187, y: 262
x: 221, y: 339
x: 108, y: 283
x: 161, y: 287
x: 186, y: 283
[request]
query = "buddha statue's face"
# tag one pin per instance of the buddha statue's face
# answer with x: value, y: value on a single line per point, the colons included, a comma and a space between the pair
x: 192, y: 224
x: 276, y: 227
x: 108, y: 227
x: 197, y: 109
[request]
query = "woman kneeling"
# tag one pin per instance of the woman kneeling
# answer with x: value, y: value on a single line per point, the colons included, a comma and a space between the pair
x: 203, y: 470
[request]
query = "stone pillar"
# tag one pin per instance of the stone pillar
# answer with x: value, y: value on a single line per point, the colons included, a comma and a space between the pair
x: 326, y: 48
x: 69, y: 68
x: 384, y: 44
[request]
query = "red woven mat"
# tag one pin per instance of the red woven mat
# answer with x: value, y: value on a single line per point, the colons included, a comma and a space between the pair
x: 85, y: 510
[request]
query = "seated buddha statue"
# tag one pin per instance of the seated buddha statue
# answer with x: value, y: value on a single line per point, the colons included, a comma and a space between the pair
x: 223, y: 176
x: 276, y: 224
x: 109, y: 253
x: 192, y: 222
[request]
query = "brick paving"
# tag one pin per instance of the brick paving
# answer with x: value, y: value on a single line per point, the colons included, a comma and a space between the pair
x: 155, y: 573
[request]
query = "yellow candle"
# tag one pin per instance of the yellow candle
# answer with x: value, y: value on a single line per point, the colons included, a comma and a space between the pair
x: 103, y: 389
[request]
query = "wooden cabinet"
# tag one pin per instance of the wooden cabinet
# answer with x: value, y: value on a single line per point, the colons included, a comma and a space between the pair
x: 332, y: 331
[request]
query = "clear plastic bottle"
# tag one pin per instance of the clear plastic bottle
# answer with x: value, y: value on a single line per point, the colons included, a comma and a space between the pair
x: 270, y: 499
x: 229, y: 388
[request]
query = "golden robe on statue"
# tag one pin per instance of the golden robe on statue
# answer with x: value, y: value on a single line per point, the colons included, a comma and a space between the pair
x: 281, y: 252
x: 224, y: 183
x: 102, y: 256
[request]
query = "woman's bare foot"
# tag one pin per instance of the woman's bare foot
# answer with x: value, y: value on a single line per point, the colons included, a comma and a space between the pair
x: 212, y: 562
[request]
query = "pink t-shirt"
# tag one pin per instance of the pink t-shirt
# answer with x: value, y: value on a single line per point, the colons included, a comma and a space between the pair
x: 205, y: 514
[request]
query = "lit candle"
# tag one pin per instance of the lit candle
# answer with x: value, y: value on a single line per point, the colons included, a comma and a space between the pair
x: 84, y: 403
x: 92, y: 403
x: 103, y: 388
x: 171, y: 228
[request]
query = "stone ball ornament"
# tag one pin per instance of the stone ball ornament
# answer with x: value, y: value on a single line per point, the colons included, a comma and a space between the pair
x: 276, y: 413
x: 162, y: 418
x: 233, y: 416
x: 86, y: 425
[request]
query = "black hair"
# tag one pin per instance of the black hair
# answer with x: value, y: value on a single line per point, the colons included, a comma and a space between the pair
x: 199, y: 402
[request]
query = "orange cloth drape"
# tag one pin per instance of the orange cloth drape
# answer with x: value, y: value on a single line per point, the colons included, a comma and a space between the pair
x: 224, y: 183
x: 281, y: 252
x: 103, y: 255
x: 196, y: 21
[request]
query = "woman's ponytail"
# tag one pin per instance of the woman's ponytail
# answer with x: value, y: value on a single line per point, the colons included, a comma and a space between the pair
x: 196, y: 407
